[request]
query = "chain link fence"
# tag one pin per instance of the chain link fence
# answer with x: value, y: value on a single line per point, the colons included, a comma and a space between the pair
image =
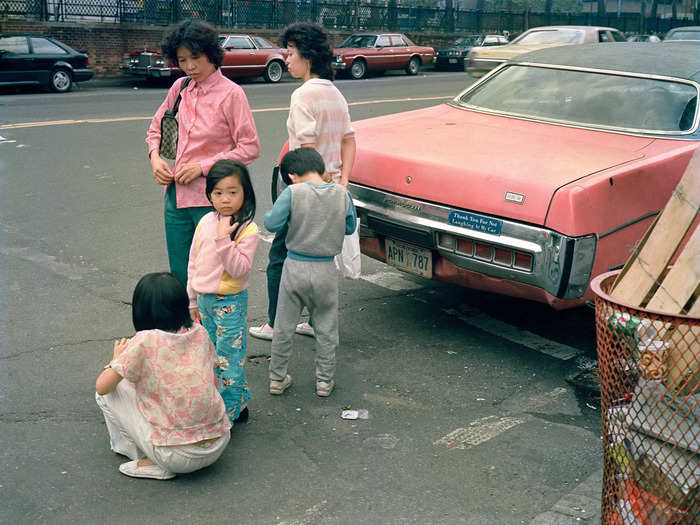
x: 650, y: 400
x: 352, y: 15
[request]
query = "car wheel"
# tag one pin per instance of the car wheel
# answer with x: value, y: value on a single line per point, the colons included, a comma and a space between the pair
x: 273, y: 72
x: 413, y: 66
x: 358, y: 69
x: 61, y: 80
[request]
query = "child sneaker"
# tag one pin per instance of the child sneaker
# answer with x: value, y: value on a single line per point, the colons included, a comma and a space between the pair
x: 277, y: 387
x: 324, y: 389
x: 262, y: 332
x: 305, y: 329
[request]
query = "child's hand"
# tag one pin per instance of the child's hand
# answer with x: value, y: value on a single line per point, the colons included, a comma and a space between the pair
x: 119, y: 346
x: 194, y: 314
x: 224, y: 229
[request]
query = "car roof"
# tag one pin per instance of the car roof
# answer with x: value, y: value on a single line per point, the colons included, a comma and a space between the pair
x: 673, y: 59
x: 585, y: 28
x: 684, y: 28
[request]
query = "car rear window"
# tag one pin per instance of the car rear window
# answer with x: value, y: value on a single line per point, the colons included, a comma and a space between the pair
x: 558, y: 36
x: 684, y: 35
x: 629, y: 103
x: 44, y: 46
x: 14, y: 44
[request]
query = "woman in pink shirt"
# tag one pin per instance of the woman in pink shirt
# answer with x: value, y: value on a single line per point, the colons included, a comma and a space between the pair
x: 214, y: 122
x: 168, y: 416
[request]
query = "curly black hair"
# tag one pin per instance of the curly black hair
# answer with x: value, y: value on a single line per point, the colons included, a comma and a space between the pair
x: 312, y: 42
x: 198, y: 37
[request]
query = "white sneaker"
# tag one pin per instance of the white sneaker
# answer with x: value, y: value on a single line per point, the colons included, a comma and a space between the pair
x: 305, y: 329
x: 132, y: 469
x: 261, y: 332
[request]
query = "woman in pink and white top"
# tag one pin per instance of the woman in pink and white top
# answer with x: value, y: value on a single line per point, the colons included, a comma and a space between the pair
x: 168, y: 416
x: 319, y: 119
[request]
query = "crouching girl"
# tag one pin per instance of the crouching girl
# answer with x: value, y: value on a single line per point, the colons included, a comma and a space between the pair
x: 168, y: 416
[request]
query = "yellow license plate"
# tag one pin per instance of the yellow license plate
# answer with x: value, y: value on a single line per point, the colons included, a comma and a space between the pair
x: 409, y: 258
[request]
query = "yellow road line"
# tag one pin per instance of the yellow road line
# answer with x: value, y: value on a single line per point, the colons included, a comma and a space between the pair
x: 261, y: 110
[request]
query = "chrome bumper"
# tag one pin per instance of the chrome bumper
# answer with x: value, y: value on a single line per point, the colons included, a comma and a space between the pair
x: 338, y: 65
x: 561, y: 265
x: 153, y: 72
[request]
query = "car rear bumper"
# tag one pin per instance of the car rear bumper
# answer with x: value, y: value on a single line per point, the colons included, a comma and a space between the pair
x: 81, y: 75
x: 521, y: 260
x: 449, y: 61
x: 147, y: 72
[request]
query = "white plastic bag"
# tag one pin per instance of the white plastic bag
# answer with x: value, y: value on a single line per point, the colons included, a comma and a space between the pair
x: 348, y: 261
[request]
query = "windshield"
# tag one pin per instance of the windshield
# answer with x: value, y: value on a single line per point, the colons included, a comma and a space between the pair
x: 684, y: 35
x: 359, y: 41
x: 468, y: 41
x: 559, y: 36
x: 587, y: 98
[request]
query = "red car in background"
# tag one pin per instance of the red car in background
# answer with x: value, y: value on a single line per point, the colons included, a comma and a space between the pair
x: 245, y: 56
x: 376, y: 52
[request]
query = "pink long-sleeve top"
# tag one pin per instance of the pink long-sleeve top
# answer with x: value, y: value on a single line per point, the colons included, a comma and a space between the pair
x: 217, y: 264
x: 214, y: 122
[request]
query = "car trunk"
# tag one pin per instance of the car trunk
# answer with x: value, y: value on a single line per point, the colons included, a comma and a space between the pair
x: 470, y: 160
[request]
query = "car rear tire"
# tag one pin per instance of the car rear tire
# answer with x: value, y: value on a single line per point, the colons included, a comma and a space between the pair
x: 358, y: 69
x: 273, y: 72
x: 413, y: 66
x: 61, y: 80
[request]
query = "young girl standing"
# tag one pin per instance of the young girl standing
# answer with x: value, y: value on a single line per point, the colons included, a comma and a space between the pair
x: 220, y: 261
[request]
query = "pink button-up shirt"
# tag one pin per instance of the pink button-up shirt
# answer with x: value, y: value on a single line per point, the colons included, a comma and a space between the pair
x: 214, y: 122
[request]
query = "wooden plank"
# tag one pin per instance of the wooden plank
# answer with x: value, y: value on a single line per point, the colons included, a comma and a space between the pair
x: 639, y: 277
x: 681, y: 281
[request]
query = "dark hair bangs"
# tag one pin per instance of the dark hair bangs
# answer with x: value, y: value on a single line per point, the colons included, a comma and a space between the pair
x: 160, y: 302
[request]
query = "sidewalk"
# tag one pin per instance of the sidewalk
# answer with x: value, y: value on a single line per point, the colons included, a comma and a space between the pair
x: 581, y: 505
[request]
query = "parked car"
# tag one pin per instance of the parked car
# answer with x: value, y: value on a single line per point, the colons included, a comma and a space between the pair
x: 364, y: 52
x: 683, y: 33
x: 481, y: 60
x: 453, y: 56
x: 643, y: 38
x: 538, y: 177
x: 41, y: 60
x: 245, y: 56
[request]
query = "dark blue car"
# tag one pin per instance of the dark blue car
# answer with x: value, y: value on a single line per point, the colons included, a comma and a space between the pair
x: 41, y: 60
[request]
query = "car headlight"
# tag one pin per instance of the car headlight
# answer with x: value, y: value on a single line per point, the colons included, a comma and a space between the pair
x: 159, y: 62
x: 338, y: 58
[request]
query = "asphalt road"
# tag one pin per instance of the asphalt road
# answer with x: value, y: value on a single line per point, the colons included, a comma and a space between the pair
x: 470, y: 421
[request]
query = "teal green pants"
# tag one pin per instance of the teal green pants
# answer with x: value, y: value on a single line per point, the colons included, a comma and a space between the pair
x: 180, y: 224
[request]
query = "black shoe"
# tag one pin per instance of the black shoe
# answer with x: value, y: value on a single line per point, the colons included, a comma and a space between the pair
x: 242, y: 416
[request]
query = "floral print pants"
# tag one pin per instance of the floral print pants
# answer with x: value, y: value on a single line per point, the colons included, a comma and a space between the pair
x: 224, y: 318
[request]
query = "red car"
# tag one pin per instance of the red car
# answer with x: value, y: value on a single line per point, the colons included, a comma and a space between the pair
x: 245, y: 56
x: 375, y: 52
x: 535, y: 179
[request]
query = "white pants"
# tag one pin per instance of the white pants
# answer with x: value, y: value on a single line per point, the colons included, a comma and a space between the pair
x: 130, y: 435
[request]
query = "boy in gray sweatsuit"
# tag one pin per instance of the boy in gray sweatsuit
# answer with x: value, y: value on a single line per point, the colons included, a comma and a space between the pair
x: 319, y: 214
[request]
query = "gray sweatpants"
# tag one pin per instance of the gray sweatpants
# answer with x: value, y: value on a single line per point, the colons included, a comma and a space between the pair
x: 314, y: 285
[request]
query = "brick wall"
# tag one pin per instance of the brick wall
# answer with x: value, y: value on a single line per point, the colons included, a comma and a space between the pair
x: 106, y: 43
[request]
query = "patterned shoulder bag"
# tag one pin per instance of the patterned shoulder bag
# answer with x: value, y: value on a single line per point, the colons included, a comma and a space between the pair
x: 168, y: 127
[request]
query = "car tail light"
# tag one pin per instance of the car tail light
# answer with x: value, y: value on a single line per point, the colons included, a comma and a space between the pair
x: 523, y: 261
x: 465, y: 246
x: 446, y: 241
x: 503, y: 257
x: 483, y: 251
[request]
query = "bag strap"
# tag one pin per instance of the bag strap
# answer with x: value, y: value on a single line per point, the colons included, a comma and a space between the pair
x: 179, y: 96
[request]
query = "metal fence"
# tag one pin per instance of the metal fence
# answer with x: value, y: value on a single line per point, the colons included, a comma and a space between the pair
x: 352, y: 15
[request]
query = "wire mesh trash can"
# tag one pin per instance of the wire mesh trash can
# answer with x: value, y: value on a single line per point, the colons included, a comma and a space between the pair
x: 649, y: 367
